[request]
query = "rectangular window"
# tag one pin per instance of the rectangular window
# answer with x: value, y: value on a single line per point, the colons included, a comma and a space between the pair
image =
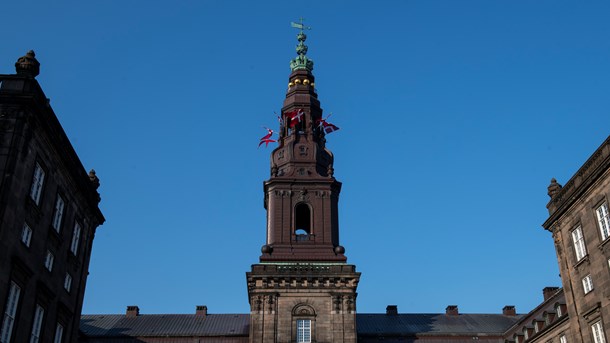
x: 38, y: 316
x: 9, y: 313
x: 558, y: 310
x: 579, y: 243
x: 37, y: 183
x: 26, y: 235
x: 587, y: 283
x: 75, y: 238
x: 303, y: 331
x: 48, y: 261
x: 598, y: 332
x: 58, y: 213
x: 59, y: 333
x: 563, y: 339
x: 68, y: 282
x: 604, y: 220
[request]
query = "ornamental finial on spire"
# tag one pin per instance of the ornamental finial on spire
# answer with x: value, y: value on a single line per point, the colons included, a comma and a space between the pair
x: 301, y: 61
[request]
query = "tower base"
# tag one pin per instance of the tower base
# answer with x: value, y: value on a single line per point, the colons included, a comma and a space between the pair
x: 291, y: 300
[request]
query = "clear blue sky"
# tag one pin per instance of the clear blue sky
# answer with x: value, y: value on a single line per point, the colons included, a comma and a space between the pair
x: 454, y: 116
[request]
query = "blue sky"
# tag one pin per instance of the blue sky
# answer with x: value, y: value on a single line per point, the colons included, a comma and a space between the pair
x: 454, y: 116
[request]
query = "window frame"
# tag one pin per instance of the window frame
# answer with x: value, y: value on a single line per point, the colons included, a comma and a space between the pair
x: 58, y: 213
x: 597, y: 330
x: 49, y: 260
x: 603, y: 220
x: 76, y: 233
x: 304, y: 332
x: 59, y: 333
x: 10, y: 312
x: 37, y: 185
x: 68, y: 282
x: 578, y: 241
x: 587, y: 284
x: 26, y: 235
x: 563, y: 339
x: 37, y: 324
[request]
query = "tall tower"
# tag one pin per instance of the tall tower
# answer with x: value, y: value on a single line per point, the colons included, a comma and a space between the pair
x: 302, y: 290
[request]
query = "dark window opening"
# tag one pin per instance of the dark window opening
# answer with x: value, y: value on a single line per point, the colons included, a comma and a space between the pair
x: 302, y: 222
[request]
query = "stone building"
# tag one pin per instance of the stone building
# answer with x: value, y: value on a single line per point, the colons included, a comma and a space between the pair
x: 48, y: 216
x: 580, y: 224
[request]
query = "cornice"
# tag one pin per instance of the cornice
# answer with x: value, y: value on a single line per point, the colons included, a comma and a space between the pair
x: 586, y: 175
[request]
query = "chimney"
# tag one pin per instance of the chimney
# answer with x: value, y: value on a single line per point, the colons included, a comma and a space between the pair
x: 391, y: 310
x: 509, y: 310
x: 201, y: 311
x: 548, y: 292
x: 132, y: 311
x: 452, y: 310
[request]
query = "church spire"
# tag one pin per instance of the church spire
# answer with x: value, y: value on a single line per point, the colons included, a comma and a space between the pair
x: 302, y: 289
x: 301, y: 196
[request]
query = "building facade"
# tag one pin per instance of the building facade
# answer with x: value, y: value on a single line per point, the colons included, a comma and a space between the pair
x: 48, y: 216
x: 580, y: 224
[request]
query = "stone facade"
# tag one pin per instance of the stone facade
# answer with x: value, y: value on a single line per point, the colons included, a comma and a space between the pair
x: 280, y: 295
x: 578, y: 220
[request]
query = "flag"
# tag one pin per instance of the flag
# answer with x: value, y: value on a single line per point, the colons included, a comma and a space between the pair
x: 294, y: 117
x: 328, y: 127
x: 267, y: 138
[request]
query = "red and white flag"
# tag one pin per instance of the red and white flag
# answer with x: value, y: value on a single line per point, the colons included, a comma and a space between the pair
x: 294, y: 117
x: 328, y: 127
x: 267, y: 138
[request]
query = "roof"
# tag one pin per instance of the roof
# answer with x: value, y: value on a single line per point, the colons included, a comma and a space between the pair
x: 118, y: 325
x: 433, y: 324
x: 154, y: 325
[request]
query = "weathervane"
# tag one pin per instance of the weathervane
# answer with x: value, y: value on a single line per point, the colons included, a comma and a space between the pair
x: 300, y: 25
x: 301, y: 61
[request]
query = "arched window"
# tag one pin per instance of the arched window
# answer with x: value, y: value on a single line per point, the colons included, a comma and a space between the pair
x: 302, y: 222
x: 303, y: 321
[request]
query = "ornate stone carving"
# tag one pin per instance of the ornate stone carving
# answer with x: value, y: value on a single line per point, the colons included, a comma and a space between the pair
x: 322, y: 194
x: 349, y: 303
x: 303, y: 150
x: 337, y: 302
x: 28, y: 65
x: 282, y: 193
x: 303, y: 195
x: 553, y: 188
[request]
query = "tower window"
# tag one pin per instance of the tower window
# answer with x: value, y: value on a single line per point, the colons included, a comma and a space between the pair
x: 303, y: 330
x: 302, y: 221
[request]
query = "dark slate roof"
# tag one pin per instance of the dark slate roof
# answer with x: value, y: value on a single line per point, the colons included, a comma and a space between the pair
x: 176, y: 325
x: 118, y: 325
x: 433, y: 324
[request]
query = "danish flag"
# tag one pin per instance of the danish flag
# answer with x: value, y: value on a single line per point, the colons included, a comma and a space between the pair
x: 267, y: 138
x: 326, y: 126
x: 295, y: 117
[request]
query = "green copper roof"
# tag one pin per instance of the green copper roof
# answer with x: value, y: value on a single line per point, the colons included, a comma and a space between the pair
x: 301, y: 62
